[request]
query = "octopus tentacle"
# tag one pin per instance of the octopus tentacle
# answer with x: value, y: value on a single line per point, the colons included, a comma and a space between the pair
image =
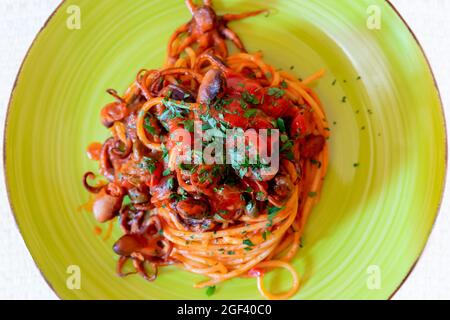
x: 212, y: 59
x: 232, y: 36
x: 120, y: 265
x: 183, y: 29
x: 140, y: 268
x: 221, y: 45
x: 240, y: 16
x: 88, y: 187
x: 203, y: 31
x: 114, y: 93
x: 198, y: 77
x: 191, y: 6
x: 106, y: 167
x: 186, y: 43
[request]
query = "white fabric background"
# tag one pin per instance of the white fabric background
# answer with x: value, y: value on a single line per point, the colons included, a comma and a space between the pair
x: 22, y: 19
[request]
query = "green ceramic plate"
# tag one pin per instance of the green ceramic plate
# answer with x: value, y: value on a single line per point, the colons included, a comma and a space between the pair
x: 388, y: 145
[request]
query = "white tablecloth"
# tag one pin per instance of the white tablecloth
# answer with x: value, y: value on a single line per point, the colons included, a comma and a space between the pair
x: 22, y: 19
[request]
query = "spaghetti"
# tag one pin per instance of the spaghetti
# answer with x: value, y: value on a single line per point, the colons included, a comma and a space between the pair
x: 218, y: 220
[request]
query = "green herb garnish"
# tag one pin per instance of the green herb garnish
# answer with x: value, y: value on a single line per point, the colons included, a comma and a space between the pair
x: 210, y: 291
x: 250, y: 98
x: 287, y: 146
x: 281, y: 125
x: 272, y: 213
x: 165, y: 154
x: 148, y: 164
x: 276, y: 92
x: 170, y: 183
x: 250, y: 113
x: 188, y: 125
x: 174, y: 109
x: 148, y: 127
x: 248, y: 243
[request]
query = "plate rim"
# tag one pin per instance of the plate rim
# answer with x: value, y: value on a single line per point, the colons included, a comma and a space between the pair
x: 392, y: 7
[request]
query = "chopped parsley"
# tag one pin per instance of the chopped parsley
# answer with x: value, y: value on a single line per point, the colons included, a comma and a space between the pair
x: 179, y: 197
x: 287, y: 146
x: 276, y: 92
x: 210, y: 122
x: 281, y: 125
x: 189, y: 125
x: 165, y: 154
x: 250, y: 98
x: 289, y: 155
x: 250, y: 113
x: 148, y: 164
x: 272, y: 213
x: 244, y: 104
x: 242, y: 172
x: 250, y: 207
x: 210, y: 290
x: 248, y: 243
x: 148, y: 126
x: 220, y: 103
x: 284, y: 138
x: 170, y: 183
x: 260, y: 196
x: 218, y: 216
x: 312, y: 194
x: 204, y: 176
x: 174, y: 109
